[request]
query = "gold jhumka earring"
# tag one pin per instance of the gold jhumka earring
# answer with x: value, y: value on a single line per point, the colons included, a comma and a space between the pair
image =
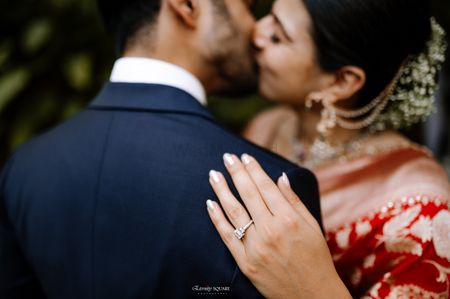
x: 331, y: 115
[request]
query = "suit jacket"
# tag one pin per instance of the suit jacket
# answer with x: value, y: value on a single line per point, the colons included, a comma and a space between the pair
x: 111, y: 203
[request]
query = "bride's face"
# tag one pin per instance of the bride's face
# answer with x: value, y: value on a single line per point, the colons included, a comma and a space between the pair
x: 286, y: 53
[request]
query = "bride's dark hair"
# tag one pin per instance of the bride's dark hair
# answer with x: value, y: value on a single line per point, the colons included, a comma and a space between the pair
x: 375, y: 35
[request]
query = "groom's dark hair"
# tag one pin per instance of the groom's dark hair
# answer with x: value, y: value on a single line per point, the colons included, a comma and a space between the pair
x: 124, y: 18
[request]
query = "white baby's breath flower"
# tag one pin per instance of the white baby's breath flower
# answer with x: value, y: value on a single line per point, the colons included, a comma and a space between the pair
x: 412, y: 100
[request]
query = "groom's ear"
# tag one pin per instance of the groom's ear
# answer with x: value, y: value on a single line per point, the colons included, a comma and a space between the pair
x: 186, y: 10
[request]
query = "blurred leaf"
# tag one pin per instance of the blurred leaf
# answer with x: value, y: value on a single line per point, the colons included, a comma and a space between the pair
x: 21, y: 133
x: 11, y: 84
x: 47, y: 106
x: 86, y: 6
x: 5, y: 52
x: 72, y: 108
x: 61, y: 3
x: 78, y: 70
x: 36, y: 35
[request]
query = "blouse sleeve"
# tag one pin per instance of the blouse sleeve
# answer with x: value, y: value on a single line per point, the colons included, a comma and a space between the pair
x: 401, y: 251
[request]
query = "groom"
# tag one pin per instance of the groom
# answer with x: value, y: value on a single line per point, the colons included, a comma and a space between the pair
x: 111, y: 204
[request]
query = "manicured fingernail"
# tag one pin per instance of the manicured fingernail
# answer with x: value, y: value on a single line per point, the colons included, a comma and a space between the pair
x: 228, y: 159
x: 214, y: 175
x: 286, y: 180
x: 210, y: 205
x: 246, y: 159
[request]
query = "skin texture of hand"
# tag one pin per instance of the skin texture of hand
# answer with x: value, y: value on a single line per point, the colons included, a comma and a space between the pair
x: 283, y: 252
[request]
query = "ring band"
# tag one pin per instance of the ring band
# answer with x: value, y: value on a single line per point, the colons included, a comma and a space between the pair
x: 240, y: 232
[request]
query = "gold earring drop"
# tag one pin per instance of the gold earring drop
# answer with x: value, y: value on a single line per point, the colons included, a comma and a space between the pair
x: 328, y: 118
x: 311, y: 100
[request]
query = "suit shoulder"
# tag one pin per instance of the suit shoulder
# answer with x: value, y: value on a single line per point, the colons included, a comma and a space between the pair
x: 240, y: 144
x: 64, y: 139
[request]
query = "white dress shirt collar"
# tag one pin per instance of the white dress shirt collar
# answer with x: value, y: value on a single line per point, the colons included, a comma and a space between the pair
x: 153, y: 71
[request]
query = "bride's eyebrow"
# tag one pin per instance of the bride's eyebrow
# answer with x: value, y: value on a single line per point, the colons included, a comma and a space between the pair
x: 277, y: 20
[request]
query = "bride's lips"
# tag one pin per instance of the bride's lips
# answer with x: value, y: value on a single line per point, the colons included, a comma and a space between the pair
x: 261, y: 69
x: 259, y: 61
x: 255, y: 63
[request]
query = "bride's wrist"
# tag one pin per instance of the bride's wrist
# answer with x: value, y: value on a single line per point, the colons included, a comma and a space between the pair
x: 328, y: 288
x: 336, y: 289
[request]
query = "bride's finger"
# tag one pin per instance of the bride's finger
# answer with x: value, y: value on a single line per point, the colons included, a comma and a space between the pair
x: 226, y: 232
x: 246, y: 187
x: 233, y: 208
x: 267, y: 187
x: 292, y: 198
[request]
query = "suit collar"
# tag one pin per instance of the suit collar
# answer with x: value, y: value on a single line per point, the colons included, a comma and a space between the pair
x: 148, y: 97
x: 154, y: 71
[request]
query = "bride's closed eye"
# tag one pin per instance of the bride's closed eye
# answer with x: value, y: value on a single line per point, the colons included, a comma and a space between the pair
x: 275, y: 39
x: 278, y: 35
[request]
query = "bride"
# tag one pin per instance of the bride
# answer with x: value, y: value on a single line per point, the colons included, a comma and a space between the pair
x: 349, y: 73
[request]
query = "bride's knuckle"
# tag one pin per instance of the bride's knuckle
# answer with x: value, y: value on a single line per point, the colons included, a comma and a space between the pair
x: 265, y: 185
x: 249, y: 270
x: 234, y: 171
x: 252, y: 167
x: 249, y: 192
x: 236, y: 212
x: 271, y: 236
x: 295, y: 200
x: 290, y: 222
x: 228, y: 237
x: 261, y: 256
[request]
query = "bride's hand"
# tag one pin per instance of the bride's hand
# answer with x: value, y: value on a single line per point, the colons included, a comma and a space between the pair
x: 283, y: 252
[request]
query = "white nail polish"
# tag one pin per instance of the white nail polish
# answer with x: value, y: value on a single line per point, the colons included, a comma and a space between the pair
x: 246, y: 159
x: 286, y: 179
x: 210, y: 205
x: 214, y: 175
x: 228, y: 159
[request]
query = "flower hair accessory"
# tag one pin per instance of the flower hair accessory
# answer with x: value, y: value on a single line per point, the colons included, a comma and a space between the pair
x: 412, y: 99
x: 407, y: 100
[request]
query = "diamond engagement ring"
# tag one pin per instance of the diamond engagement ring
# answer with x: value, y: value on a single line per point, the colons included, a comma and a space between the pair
x: 240, y: 231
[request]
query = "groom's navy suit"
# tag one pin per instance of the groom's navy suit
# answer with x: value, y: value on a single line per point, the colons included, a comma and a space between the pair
x: 111, y: 203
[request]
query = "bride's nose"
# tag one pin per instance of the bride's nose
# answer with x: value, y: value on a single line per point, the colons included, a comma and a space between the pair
x: 261, y: 33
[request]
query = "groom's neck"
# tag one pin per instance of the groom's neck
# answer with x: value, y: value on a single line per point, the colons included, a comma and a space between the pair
x: 188, y: 60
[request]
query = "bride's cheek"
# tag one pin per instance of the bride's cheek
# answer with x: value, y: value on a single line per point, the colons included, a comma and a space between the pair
x: 275, y: 60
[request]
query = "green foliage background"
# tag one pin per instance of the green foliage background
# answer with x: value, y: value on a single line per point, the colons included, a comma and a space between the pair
x: 55, y: 56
